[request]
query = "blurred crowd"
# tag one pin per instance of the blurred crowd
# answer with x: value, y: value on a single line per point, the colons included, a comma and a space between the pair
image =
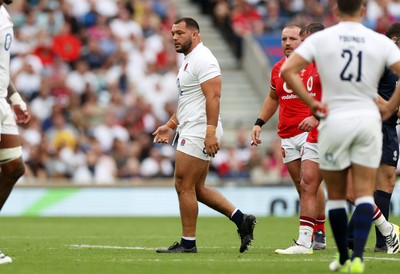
x: 266, y: 16
x: 99, y: 76
x: 239, y: 18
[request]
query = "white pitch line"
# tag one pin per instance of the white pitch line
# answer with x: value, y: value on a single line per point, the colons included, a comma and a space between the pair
x: 276, y: 258
x: 112, y: 247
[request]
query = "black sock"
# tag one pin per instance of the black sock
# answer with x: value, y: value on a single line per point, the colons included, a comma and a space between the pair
x: 338, y: 221
x: 350, y: 228
x: 237, y: 218
x: 382, y: 201
x: 188, y: 243
x: 363, y: 215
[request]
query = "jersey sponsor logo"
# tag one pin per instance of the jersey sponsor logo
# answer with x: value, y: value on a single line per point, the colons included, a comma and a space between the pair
x: 286, y: 88
x: 310, y: 83
x: 289, y: 96
x: 183, y: 142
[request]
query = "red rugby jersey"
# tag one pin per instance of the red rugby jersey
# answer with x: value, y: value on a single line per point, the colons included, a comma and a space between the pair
x: 291, y: 109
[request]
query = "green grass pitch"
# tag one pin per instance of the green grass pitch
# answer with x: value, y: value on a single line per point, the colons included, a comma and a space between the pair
x: 127, y: 245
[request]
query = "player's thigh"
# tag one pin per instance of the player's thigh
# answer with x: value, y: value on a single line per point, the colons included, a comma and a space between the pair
x: 189, y: 169
x: 10, y: 141
x: 294, y: 169
x: 364, y: 179
x: 311, y: 175
x: 336, y: 183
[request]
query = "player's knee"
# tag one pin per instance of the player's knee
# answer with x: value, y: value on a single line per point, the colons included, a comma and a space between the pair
x: 309, y: 182
x: 11, y: 163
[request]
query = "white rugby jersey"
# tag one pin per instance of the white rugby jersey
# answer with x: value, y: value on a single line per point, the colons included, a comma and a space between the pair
x: 198, y: 66
x: 350, y: 59
x: 6, y: 37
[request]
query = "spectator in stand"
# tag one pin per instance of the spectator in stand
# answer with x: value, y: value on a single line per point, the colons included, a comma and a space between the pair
x: 42, y: 105
x: 93, y: 55
x: 98, y: 168
x: 126, y: 30
x: 26, y: 74
x: 271, y: 170
x: 61, y: 133
x: 78, y: 79
x: 246, y: 20
x: 126, y: 160
x: 107, y: 132
x: 272, y: 17
x: 32, y: 32
x: 156, y: 165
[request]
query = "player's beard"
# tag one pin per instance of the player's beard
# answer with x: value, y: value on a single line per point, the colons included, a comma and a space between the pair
x: 8, y: 2
x: 185, y: 47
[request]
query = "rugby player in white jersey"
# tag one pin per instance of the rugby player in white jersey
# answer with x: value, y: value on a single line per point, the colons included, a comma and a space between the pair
x: 11, y: 164
x: 200, y: 132
x: 350, y: 62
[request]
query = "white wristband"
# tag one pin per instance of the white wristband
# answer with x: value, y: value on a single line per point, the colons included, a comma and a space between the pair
x: 17, y: 100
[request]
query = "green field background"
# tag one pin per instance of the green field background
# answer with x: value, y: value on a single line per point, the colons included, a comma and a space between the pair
x: 127, y: 245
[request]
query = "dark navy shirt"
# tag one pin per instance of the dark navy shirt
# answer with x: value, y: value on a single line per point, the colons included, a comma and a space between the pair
x: 386, y: 87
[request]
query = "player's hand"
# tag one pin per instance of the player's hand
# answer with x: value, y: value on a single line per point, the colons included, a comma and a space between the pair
x: 211, y: 143
x: 308, y: 124
x: 163, y: 134
x: 22, y: 116
x: 255, y: 136
x: 319, y: 109
x: 386, y: 111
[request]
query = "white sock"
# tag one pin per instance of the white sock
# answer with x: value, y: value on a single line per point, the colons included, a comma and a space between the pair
x: 189, y: 238
x: 383, y: 225
x: 305, y: 235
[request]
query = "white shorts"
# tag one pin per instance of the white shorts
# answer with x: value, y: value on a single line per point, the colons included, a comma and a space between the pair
x: 194, y: 145
x: 310, y: 152
x: 292, y: 147
x: 355, y: 140
x: 7, y: 118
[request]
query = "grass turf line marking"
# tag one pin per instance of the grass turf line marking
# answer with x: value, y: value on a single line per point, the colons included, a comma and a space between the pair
x: 278, y: 257
x: 111, y: 247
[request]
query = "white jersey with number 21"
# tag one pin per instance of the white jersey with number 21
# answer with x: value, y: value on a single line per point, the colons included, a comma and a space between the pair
x: 350, y: 59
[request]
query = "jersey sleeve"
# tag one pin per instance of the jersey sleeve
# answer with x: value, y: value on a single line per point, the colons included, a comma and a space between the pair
x: 306, y: 49
x: 393, y: 53
x: 208, y: 68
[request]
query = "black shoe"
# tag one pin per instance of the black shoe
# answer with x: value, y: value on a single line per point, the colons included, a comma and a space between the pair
x: 350, y: 243
x: 319, y: 240
x: 246, y: 231
x: 177, y: 248
x: 380, y: 249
